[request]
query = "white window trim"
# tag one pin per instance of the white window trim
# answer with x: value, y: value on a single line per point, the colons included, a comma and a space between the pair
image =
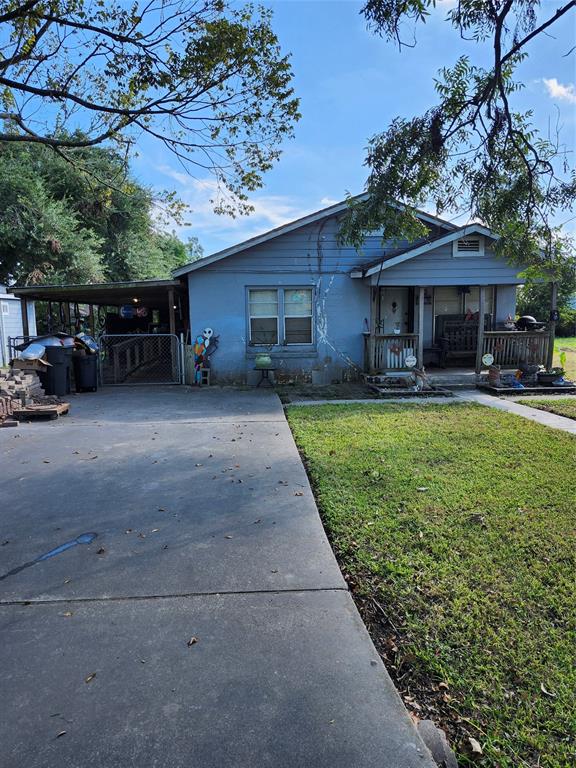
x: 5, y: 308
x: 468, y: 254
x: 253, y: 317
x: 281, y: 317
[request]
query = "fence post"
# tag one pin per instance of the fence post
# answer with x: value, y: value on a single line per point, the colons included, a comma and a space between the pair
x: 552, y: 325
x: 182, y: 361
x: 372, y: 355
x: 421, y: 328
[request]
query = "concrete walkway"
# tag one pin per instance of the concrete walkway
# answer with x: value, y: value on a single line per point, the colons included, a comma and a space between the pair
x: 517, y: 407
x: 207, y: 623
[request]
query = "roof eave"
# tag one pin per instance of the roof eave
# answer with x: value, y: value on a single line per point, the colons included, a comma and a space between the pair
x: 419, y: 249
x: 289, y: 227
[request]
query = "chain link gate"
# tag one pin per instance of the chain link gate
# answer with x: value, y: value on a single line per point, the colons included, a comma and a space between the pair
x: 140, y: 358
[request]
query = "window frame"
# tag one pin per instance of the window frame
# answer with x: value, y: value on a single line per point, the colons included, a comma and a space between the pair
x: 252, y: 317
x: 311, y: 316
x: 281, y: 324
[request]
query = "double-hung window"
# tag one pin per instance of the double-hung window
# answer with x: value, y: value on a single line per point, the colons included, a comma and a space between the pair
x: 297, y: 316
x: 280, y: 316
x: 263, y: 310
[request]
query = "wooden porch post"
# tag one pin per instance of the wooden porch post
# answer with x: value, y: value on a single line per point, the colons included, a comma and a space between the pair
x: 171, y: 310
x: 67, y: 318
x: 552, y: 326
x: 370, y: 342
x: 421, y: 328
x: 24, y: 310
x: 480, y: 342
x: 373, y: 309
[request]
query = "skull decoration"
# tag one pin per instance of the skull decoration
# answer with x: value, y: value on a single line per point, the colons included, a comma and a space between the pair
x: 204, y: 345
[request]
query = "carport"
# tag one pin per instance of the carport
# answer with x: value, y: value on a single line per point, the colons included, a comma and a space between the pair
x: 141, y: 325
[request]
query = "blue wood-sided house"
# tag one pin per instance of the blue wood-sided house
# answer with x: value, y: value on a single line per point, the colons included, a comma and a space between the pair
x: 322, y: 308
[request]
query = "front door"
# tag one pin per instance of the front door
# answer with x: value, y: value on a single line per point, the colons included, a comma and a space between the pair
x: 394, y: 310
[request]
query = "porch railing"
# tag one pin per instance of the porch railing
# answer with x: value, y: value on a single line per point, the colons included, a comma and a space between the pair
x: 509, y: 348
x: 388, y: 352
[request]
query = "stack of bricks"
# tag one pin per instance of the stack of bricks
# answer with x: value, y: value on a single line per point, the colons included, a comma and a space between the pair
x: 21, y: 385
x: 5, y: 407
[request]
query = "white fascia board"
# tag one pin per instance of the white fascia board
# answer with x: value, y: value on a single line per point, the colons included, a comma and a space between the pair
x: 456, y: 235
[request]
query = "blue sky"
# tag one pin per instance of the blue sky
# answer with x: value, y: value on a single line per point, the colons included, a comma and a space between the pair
x: 351, y: 85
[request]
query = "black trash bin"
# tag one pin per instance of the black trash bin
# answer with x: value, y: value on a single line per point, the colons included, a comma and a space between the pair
x: 86, y: 372
x: 56, y: 378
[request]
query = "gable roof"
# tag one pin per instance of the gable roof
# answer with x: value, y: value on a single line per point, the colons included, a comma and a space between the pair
x: 311, y: 218
x: 429, y: 245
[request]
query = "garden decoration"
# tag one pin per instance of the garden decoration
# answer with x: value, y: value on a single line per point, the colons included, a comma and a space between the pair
x: 205, y: 345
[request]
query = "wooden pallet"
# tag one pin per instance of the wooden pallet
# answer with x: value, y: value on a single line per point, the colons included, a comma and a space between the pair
x: 51, y: 411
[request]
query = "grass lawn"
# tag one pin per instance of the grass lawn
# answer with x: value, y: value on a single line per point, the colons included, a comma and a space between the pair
x: 455, y: 527
x: 565, y: 406
x: 567, y: 345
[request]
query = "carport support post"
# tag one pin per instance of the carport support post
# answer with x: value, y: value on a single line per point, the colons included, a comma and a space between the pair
x: 480, y: 342
x: 24, y: 310
x: 171, y: 310
x: 552, y: 325
x: 421, y: 328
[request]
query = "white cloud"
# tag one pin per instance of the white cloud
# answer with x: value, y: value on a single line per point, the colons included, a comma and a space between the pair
x: 216, y: 231
x: 560, y: 91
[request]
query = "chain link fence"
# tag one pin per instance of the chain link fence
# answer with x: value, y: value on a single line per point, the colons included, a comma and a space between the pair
x: 141, y: 358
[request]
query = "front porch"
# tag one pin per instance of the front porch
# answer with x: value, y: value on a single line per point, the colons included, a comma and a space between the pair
x: 438, y: 329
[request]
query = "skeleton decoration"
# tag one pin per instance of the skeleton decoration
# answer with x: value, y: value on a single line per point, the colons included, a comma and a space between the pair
x: 205, y: 344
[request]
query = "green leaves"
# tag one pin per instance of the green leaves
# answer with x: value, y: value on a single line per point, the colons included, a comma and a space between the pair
x: 206, y: 79
x: 473, y: 154
x: 80, y: 221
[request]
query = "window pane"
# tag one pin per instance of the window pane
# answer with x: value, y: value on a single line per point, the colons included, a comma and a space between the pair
x: 265, y: 295
x: 298, y: 302
x: 472, y: 300
x: 447, y: 301
x: 298, y: 330
x: 264, y: 330
x: 263, y: 303
x: 263, y: 310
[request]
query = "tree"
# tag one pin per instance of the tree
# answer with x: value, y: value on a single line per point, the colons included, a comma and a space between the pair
x: 194, y: 250
x: 534, y: 299
x: 84, y: 222
x: 471, y: 153
x: 206, y: 79
x: 40, y: 236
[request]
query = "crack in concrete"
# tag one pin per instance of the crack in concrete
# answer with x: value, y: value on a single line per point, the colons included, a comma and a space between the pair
x: 172, y: 596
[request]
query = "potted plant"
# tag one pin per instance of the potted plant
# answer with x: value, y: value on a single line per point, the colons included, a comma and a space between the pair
x: 263, y: 359
x: 551, y: 375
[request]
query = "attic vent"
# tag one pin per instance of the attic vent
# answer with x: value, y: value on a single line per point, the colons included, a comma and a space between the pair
x: 468, y: 246
x: 471, y: 244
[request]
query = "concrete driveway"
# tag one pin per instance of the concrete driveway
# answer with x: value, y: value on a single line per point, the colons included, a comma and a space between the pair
x: 169, y: 598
